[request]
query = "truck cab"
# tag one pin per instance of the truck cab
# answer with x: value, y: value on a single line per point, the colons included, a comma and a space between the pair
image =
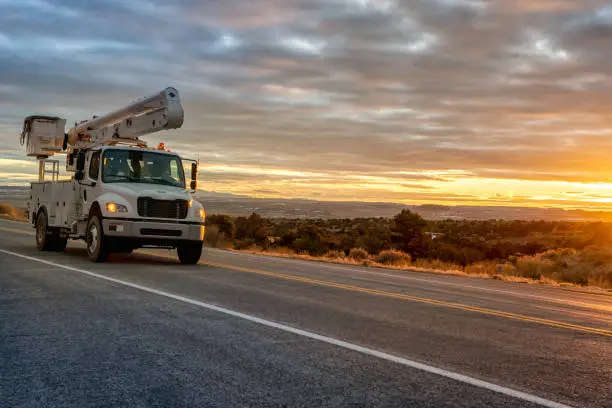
x: 123, y: 195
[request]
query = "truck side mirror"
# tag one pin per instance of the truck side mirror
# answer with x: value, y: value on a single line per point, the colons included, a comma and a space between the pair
x: 194, y: 176
x: 194, y: 171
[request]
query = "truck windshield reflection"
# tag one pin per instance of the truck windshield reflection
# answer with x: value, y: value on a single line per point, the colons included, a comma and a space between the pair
x: 142, y: 167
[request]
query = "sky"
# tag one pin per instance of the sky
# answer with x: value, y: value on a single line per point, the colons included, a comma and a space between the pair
x: 500, y: 102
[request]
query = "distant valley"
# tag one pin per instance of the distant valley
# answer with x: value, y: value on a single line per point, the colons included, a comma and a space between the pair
x: 230, y: 204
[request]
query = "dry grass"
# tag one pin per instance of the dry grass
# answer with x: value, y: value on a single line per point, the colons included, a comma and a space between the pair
x: 358, y: 254
x: 591, y: 266
x: 334, y: 255
x: 485, y: 268
x: 438, y: 266
x: 393, y: 257
x: 10, y: 212
x: 547, y: 268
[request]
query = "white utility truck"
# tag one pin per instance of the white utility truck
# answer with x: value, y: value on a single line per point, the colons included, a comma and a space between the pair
x: 121, y: 194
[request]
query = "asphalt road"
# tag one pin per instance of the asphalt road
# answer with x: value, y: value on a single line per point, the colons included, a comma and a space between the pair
x: 248, y: 331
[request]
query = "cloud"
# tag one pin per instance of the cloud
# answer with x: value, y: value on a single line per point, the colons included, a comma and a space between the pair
x: 504, y: 89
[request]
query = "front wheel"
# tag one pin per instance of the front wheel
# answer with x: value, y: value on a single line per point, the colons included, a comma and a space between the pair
x: 189, y: 252
x: 96, y: 247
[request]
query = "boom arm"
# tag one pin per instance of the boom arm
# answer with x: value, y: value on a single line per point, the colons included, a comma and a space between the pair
x: 160, y: 111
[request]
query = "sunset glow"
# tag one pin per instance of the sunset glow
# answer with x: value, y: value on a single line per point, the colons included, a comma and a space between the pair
x: 437, y: 102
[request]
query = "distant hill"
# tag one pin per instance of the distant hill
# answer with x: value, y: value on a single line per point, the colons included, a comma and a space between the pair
x: 301, y: 208
x: 231, y: 204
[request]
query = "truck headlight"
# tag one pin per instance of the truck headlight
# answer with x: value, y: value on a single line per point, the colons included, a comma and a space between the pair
x: 114, y: 207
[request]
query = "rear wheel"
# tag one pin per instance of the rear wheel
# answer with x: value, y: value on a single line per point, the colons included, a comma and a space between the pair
x: 44, y: 240
x: 47, y: 238
x: 189, y: 252
x: 96, y: 247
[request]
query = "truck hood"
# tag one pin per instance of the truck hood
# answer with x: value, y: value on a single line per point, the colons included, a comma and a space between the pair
x: 156, y: 191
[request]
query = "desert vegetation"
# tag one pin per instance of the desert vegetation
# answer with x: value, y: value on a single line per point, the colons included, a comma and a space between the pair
x: 10, y: 212
x: 562, y: 252
x: 577, y: 253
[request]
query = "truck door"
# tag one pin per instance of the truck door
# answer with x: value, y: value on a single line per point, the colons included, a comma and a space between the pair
x: 93, y: 187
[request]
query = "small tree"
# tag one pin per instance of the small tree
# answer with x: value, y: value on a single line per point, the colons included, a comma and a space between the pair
x: 309, y: 238
x: 407, y: 232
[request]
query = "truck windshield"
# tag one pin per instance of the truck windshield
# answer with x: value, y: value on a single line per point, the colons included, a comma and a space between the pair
x: 133, y: 166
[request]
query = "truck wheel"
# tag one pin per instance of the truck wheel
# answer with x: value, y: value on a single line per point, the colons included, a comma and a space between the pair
x: 189, y: 252
x: 44, y: 241
x: 96, y: 248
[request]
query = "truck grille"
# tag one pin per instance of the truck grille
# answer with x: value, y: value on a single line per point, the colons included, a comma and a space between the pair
x: 149, y: 207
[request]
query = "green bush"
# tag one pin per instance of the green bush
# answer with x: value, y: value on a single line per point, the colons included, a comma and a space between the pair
x: 564, y: 251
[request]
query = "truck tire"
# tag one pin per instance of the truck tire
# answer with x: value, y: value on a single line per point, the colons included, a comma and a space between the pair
x: 44, y: 241
x: 189, y: 252
x: 47, y: 238
x: 95, y: 241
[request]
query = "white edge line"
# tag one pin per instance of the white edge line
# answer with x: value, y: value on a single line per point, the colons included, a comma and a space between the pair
x: 329, y: 340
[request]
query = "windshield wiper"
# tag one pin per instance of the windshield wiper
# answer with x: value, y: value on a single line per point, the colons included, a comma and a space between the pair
x: 116, y: 177
x: 165, y: 181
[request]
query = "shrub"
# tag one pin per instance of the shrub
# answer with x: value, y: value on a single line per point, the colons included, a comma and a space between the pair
x: 12, y: 212
x: 393, y: 257
x: 601, y: 277
x: 211, y: 236
x: 310, y: 239
x: 597, y: 256
x: 374, y: 241
x: 506, y: 269
x: 280, y: 250
x: 534, y: 267
x: 577, y: 274
x: 7, y: 209
x: 244, y: 243
x: 483, y: 268
x: 358, y: 254
x: 334, y: 254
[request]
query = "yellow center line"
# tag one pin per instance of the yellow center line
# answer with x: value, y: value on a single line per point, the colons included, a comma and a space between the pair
x: 376, y: 292
x: 453, y: 305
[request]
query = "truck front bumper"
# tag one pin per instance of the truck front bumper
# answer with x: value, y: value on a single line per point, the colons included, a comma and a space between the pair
x: 152, y: 230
